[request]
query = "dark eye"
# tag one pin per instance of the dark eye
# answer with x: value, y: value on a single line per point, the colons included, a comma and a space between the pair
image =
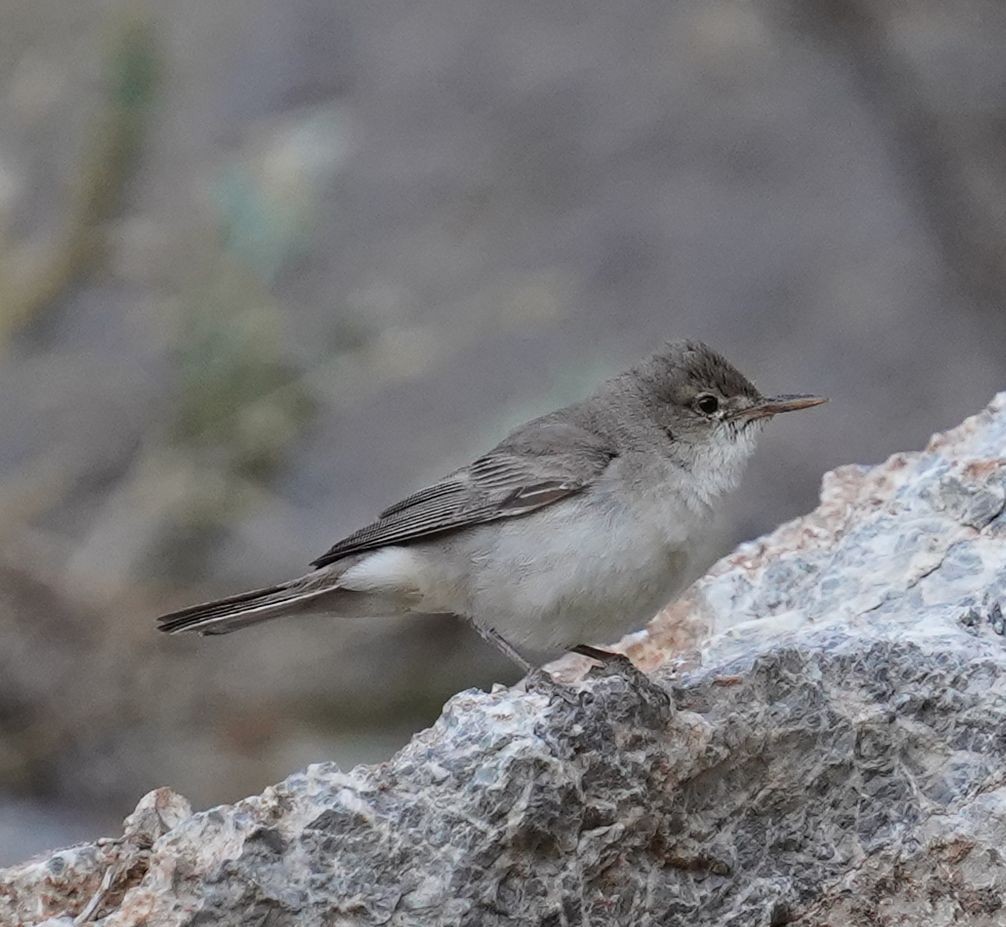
x: 707, y: 404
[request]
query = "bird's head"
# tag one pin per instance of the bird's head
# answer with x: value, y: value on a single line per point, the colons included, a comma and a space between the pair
x: 709, y: 409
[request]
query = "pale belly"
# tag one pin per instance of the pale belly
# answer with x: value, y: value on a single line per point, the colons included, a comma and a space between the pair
x: 582, y: 574
x: 586, y: 570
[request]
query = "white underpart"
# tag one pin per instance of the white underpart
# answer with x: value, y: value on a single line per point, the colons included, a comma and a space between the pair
x: 584, y: 570
x: 387, y: 571
x: 722, y: 463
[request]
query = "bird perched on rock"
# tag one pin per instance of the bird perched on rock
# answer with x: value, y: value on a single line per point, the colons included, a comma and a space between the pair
x: 577, y: 527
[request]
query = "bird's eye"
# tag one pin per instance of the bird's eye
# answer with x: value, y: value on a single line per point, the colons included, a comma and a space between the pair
x: 707, y: 404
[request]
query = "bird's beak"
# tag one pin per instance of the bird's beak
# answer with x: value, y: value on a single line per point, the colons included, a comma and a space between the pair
x: 766, y: 408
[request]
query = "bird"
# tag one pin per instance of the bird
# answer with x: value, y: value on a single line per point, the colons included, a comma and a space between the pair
x: 578, y: 527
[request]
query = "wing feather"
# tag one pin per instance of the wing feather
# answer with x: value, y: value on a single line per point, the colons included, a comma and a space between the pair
x: 526, y: 473
x: 424, y: 495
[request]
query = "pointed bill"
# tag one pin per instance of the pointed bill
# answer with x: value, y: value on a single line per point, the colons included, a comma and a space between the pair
x: 773, y: 405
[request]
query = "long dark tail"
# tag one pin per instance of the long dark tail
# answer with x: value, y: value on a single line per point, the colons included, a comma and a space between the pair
x: 245, y: 609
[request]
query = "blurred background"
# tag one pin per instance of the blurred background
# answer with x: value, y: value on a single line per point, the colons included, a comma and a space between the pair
x: 268, y: 265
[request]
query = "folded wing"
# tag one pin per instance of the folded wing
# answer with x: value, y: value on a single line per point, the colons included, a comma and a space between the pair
x: 535, y: 467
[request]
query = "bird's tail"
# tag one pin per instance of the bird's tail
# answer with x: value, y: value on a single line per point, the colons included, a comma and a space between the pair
x: 247, y: 608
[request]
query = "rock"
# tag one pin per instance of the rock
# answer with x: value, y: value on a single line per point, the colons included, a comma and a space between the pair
x: 832, y: 754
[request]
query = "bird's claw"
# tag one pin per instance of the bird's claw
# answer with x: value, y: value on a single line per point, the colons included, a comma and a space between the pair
x: 540, y: 680
x: 608, y: 662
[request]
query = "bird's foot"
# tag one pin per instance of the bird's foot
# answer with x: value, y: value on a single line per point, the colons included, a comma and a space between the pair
x: 618, y: 664
x: 611, y: 663
x: 540, y: 680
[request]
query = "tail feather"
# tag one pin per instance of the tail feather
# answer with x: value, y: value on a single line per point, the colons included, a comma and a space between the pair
x: 239, y: 611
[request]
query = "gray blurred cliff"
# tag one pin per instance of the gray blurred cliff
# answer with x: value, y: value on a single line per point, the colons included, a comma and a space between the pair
x: 266, y: 266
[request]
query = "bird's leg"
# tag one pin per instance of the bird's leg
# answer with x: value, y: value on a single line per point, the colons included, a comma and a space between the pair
x: 618, y: 664
x: 596, y: 653
x: 611, y: 662
x: 535, y: 678
x: 492, y: 636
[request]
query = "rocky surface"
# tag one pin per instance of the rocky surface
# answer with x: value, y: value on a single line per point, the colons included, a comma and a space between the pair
x: 442, y: 217
x: 832, y: 754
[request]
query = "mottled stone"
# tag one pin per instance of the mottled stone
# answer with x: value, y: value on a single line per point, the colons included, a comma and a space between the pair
x: 829, y: 752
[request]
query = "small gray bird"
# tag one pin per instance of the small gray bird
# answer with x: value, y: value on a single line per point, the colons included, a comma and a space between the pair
x: 579, y: 526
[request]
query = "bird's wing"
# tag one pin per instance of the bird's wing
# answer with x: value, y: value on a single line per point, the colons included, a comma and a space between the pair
x: 536, y: 466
